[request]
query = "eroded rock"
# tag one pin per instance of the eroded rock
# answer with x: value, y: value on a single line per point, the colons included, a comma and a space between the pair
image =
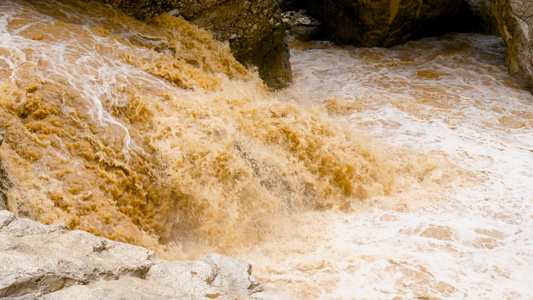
x: 515, y: 21
x: 253, y: 28
x: 383, y: 22
x: 51, y: 262
x: 233, y: 275
x: 5, y: 182
x: 126, y: 287
x: 483, y: 13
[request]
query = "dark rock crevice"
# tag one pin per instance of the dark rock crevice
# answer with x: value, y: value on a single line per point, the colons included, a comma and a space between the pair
x: 382, y: 23
x: 5, y: 182
x: 388, y: 23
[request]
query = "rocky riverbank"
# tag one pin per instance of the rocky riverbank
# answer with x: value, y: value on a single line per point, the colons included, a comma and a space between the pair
x: 515, y: 20
x: 51, y: 262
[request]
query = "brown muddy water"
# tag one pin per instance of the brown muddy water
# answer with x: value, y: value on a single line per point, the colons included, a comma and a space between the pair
x: 380, y: 174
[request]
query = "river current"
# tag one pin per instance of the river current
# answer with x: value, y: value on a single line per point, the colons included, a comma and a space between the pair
x: 451, y: 96
x: 379, y: 174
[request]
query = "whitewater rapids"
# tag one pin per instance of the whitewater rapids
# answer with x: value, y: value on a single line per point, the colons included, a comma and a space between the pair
x: 380, y: 174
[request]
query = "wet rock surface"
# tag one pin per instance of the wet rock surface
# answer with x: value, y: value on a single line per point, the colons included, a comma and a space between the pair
x: 51, y: 262
x: 383, y: 22
x: 141, y: 9
x: 5, y: 182
x: 301, y: 26
x: 305, y: 33
x: 253, y: 28
x: 515, y: 21
x: 483, y: 13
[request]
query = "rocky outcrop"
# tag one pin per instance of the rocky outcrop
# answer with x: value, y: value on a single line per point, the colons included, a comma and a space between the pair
x: 515, y: 23
x: 300, y: 25
x: 253, y: 28
x: 141, y: 9
x: 5, y: 183
x: 254, y: 31
x: 383, y: 22
x: 51, y: 262
x: 483, y: 13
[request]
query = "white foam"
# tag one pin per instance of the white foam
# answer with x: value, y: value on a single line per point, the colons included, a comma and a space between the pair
x: 483, y: 248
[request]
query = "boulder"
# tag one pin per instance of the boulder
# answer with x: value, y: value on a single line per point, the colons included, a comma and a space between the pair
x: 51, y: 262
x: 253, y: 28
x: 383, y: 22
x: 234, y: 275
x: 515, y: 21
x: 300, y: 25
x: 305, y: 33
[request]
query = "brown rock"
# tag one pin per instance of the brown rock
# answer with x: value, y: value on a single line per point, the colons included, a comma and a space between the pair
x: 5, y: 183
x: 515, y: 20
x: 383, y: 22
x: 141, y: 9
x: 253, y: 28
x: 305, y: 33
x: 483, y: 13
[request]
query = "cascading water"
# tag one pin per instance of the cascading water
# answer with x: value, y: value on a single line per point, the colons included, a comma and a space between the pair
x: 380, y: 173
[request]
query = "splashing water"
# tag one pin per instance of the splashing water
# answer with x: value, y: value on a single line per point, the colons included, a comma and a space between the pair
x: 450, y: 95
x: 381, y: 173
x: 153, y: 134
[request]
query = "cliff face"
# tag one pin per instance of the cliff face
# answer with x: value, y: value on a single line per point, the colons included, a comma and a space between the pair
x: 515, y: 21
x: 253, y: 28
x: 383, y: 22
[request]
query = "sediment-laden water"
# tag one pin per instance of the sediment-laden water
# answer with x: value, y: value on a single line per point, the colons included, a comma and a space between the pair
x: 450, y: 96
x: 381, y: 173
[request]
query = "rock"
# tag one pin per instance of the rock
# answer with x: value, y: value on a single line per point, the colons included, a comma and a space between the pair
x: 253, y: 28
x: 483, y: 13
x: 126, y: 287
x: 305, y: 33
x: 272, y: 294
x: 233, y: 275
x: 198, y: 275
x: 37, y: 259
x: 51, y: 262
x: 299, y: 18
x: 383, y: 22
x: 5, y: 182
x: 294, y: 5
x: 141, y: 9
x: 300, y: 25
x: 515, y: 20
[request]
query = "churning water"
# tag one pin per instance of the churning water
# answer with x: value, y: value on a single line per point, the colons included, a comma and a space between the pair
x: 448, y: 95
x: 381, y: 173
